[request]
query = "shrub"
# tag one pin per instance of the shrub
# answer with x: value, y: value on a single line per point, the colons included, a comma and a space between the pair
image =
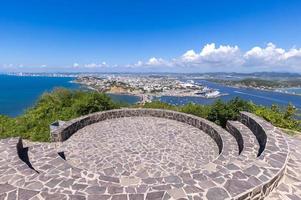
x: 60, y: 104
x: 159, y: 105
x: 196, y: 109
x: 283, y: 119
x: 63, y: 104
x: 219, y: 112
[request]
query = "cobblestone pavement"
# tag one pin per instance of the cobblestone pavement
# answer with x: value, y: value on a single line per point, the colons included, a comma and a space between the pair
x: 290, y: 186
x: 154, y: 158
x: 140, y: 146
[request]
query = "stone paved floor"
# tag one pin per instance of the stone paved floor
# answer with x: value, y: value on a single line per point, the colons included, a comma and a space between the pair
x: 290, y: 186
x: 140, y: 146
x: 147, y: 147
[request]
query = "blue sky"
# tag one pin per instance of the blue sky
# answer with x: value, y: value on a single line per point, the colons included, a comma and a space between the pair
x: 245, y: 35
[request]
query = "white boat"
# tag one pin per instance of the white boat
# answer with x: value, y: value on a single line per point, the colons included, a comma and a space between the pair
x: 212, y: 94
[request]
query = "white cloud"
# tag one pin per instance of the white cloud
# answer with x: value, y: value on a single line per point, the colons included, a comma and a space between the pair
x: 157, y: 62
x: 90, y: 65
x: 75, y: 65
x: 293, y: 53
x: 138, y: 64
x: 104, y: 64
x: 154, y: 61
x: 211, y: 57
x: 210, y: 50
x: 274, y: 57
x: 96, y: 65
x: 151, y: 63
x: 231, y: 58
x: 268, y: 56
x: 190, y: 55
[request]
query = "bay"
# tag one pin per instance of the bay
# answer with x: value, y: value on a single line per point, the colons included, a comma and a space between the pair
x: 260, y: 97
x: 18, y: 93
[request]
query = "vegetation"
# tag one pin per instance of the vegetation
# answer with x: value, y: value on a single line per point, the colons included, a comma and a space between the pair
x: 66, y: 104
x: 281, y: 118
x: 60, y: 104
x: 219, y: 112
x: 261, y: 83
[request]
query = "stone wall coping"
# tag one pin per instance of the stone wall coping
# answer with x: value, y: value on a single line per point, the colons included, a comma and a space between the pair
x: 272, y: 160
x: 254, y: 180
x: 224, y: 140
x: 246, y: 140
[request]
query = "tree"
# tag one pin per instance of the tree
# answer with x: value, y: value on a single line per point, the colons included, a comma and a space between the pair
x: 275, y: 108
x: 196, y: 109
x: 60, y: 104
x: 290, y: 111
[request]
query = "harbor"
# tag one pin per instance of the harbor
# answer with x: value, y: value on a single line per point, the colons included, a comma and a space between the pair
x: 148, y: 87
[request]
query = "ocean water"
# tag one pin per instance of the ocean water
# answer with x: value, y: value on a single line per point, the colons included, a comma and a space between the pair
x: 123, y: 98
x: 293, y: 90
x: 259, y: 97
x: 19, y: 93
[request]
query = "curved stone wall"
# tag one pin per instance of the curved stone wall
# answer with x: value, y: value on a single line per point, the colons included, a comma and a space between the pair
x: 237, y: 135
x: 255, y: 126
x: 260, y: 175
x: 273, y: 156
x: 230, y: 176
x: 65, y: 131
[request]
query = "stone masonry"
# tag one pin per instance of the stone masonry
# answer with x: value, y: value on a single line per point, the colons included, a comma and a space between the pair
x: 153, y: 154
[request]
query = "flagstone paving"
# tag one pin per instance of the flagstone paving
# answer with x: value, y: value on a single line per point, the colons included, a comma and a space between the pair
x: 146, y: 147
x: 290, y: 186
x: 152, y: 154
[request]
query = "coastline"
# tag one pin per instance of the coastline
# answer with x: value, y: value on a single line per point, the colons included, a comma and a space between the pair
x: 20, y: 93
x: 145, y: 96
x: 277, y: 90
x: 141, y: 97
x: 17, y: 94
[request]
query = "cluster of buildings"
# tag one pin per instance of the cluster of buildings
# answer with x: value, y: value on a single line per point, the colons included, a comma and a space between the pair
x: 147, y: 85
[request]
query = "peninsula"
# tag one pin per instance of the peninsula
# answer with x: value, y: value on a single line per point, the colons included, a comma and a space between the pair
x: 276, y: 85
x: 147, y: 87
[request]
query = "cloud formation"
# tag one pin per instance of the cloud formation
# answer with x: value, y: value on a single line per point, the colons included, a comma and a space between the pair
x: 231, y: 58
x: 210, y: 58
x: 152, y: 62
x: 211, y: 55
x: 90, y: 65
x: 272, y: 56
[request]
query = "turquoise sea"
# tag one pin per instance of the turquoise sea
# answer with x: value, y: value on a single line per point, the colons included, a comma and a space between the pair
x: 17, y: 93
